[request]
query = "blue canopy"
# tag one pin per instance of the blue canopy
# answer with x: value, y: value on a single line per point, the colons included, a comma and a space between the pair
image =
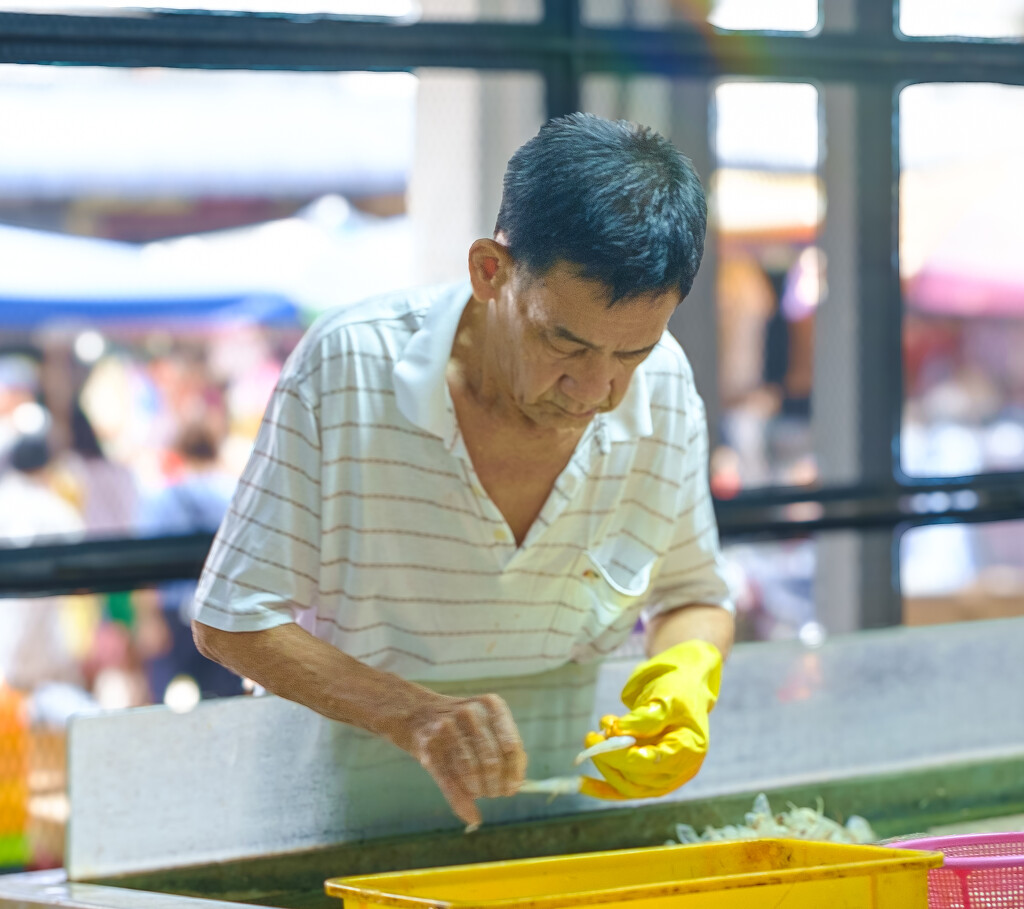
x: 266, y: 308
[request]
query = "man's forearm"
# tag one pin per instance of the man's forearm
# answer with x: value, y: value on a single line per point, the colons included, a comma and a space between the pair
x: 293, y: 664
x: 697, y: 621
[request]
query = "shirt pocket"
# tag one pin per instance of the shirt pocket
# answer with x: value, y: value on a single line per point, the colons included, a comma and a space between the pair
x: 626, y: 582
x: 617, y: 579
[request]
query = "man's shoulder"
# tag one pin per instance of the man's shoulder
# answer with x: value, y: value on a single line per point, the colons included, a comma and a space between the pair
x: 374, y: 330
x: 401, y: 311
x: 669, y: 376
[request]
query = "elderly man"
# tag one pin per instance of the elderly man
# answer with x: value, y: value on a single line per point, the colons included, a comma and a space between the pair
x: 495, y: 478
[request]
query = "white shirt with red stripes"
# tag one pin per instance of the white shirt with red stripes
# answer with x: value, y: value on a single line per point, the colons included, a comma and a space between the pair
x: 360, y: 517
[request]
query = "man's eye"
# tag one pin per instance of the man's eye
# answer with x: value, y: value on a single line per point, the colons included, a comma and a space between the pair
x: 563, y: 351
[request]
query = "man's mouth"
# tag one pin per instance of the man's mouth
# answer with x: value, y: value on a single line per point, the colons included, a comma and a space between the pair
x: 580, y: 414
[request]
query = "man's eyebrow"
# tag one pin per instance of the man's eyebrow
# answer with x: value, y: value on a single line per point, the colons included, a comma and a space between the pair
x: 567, y: 335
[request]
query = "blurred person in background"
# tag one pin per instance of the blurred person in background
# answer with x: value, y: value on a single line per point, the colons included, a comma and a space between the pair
x: 31, y: 509
x: 194, y: 502
x: 105, y: 494
x: 19, y: 386
x: 189, y: 394
x: 104, y: 490
x: 803, y: 289
x: 33, y: 644
x: 502, y: 472
x: 746, y: 303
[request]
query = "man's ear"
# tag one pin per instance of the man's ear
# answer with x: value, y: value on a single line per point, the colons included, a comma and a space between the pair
x: 490, y: 267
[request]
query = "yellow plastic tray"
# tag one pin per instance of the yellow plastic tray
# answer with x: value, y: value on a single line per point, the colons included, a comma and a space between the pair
x: 753, y: 874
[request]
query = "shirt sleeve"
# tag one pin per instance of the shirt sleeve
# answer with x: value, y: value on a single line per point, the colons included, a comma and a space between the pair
x: 693, y: 569
x: 263, y: 567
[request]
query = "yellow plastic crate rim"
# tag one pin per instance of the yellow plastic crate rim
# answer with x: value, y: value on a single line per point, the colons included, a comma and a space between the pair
x: 834, y: 860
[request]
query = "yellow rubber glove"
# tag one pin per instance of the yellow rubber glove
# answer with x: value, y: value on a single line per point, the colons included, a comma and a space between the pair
x: 669, y: 698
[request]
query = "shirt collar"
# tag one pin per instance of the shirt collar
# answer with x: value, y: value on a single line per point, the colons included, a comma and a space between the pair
x: 421, y: 387
x: 632, y: 418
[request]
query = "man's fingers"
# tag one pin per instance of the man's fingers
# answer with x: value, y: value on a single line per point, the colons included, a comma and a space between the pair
x: 654, y: 768
x: 463, y: 763
x: 644, y: 722
x: 448, y: 753
x: 599, y: 789
x: 460, y: 800
x: 475, y: 725
x: 452, y: 764
x: 515, y: 767
x: 509, y: 744
x: 472, y: 749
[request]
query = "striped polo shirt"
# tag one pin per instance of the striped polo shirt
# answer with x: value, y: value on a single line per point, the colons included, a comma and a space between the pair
x: 360, y: 517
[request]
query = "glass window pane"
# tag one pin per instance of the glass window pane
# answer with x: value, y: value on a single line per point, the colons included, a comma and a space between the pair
x: 478, y: 10
x: 767, y: 205
x: 962, y: 18
x: 360, y: 8
x: 745, y: 113
x: 774, y: 588
x: 961, y: 193
x: 958, y: 572
x: 764, y: 272
x: 740, y: 15
x: 161, y: 261
x: 400, y: 10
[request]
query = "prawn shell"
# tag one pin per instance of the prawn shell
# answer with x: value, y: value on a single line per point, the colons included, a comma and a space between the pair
x: 615, y: 743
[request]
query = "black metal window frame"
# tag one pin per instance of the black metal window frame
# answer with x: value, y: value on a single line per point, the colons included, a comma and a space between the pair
x: 871, y: 56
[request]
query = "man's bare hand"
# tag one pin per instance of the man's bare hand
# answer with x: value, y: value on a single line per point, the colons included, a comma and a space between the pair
x: 470, y: 746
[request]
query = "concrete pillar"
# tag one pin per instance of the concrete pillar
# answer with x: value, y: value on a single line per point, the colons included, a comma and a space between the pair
x: 695, y: 322
x: 853, y: 586
x: 835, y: 403
x: 468, y: 125
x: 444, y: 196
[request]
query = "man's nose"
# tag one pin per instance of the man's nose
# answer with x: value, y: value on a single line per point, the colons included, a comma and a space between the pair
x: 589, y: 384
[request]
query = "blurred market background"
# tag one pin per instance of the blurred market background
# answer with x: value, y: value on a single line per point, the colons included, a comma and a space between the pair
x: 166, y: 235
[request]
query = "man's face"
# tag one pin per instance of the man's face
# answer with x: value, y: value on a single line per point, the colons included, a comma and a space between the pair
x: 568, y: 355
